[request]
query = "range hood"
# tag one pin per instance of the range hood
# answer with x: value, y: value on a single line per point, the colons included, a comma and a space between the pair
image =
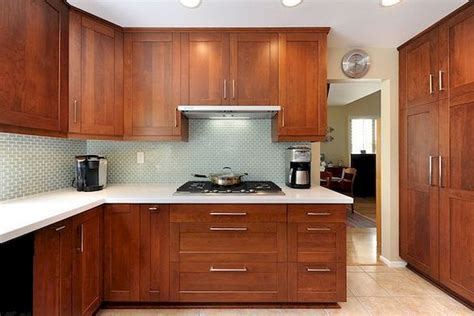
x: 229, y: 112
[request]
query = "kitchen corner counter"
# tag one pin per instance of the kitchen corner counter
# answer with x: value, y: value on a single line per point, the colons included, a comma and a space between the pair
x: 22, y: 216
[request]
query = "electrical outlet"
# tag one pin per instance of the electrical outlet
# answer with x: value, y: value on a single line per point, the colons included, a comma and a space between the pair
x: 140, y: 157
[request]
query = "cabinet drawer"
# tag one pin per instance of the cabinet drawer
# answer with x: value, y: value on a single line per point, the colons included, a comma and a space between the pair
x: 303, y: 213
x: 317, y: 242
x: 227, y: 213
x: 229, y: 282
x: 317, y: 282
x: 204, y: 242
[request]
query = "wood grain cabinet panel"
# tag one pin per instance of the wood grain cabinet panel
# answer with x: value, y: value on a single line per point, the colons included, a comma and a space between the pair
x: 205, y: 68
x: 52, y: 267
x: 152, y: 86
x: 87, y: 265
x: 303, y: 87
x: 121, y: 252
x: 254, y: 68
x: 95, y: 78
x: 33, y: 67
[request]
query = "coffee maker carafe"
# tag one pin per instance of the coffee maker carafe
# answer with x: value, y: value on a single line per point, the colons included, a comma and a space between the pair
x: 298, y: 172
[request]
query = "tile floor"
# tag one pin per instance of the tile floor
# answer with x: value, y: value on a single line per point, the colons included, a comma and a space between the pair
x: 371, y: 290
x: 362, y: 246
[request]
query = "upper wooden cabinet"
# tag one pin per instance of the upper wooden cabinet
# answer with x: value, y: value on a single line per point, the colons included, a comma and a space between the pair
x: 253, y: 69
x: 229, y: 68
x: 303, y: 87
x: 33, y: 67
x: 95, y: 78
x: 152, y: 86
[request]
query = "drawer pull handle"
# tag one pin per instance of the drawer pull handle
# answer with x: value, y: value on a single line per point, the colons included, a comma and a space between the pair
x: 228, y: 214
x: 212, y: 269
x: 60, y: 228
x: 318, y: 269
x: 317, y: 229
x: 318, y: 213
x: 228, y: 228
x: 153, y: 209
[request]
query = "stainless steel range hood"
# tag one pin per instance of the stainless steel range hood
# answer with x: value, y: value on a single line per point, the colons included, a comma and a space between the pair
x: 229, y: 112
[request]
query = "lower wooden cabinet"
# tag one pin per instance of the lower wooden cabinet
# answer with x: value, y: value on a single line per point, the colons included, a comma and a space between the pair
x: 136, y: 253
x: 52, y: 283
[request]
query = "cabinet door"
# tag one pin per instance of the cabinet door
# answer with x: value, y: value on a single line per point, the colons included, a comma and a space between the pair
x: 205, y: 68
x: 457, y: 198
x: 254, y: 68
x: 33, y: 67
x: 121, y: 252
x: 52, y: 282
x: 87, y: 262
x: 95, y: 77
x: 418, y: 188
x: 154, y: 253
x: 303, y: 87
x: 419, y: 70
x: 456, y: 51
x: 152, y: 85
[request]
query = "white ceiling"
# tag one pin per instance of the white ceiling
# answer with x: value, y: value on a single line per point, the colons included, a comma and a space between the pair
x: 344, y: 93
x: 354, y: 23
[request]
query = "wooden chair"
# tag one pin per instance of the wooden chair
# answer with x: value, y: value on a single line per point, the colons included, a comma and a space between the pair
x: 346, y: 184
x: 326, y: 179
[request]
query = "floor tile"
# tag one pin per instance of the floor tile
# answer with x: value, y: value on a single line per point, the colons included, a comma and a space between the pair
x: 354, y: 269
x: 378, y: 269
x: 350, y: 308
x: 361, y: 284
x: 452, y: 307
x: 383, y: 306
x: 304, y: 312
x: 398, y: 285
x: 421, y: 305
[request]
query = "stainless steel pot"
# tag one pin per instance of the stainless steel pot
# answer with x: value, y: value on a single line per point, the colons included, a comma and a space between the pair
x: 226, y: 177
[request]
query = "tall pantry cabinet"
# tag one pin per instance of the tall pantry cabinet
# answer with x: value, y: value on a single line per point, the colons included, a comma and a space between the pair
x: 436, y: 149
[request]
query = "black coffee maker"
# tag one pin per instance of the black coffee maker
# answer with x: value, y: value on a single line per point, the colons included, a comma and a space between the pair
x: 298, y: 172
x: 91, y: 173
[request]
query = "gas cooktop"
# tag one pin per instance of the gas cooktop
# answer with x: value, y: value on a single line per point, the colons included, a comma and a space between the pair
x: 247, y: 187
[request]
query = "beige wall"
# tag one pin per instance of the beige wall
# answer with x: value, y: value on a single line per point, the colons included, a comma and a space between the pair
x: 338, y: 118
x: 384, y: 68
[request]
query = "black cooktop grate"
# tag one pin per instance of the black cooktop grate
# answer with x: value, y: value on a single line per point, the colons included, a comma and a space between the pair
x: 244, y: 187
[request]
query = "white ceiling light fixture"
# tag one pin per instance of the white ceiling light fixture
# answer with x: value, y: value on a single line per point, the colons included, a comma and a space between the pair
x: 291, y: 3
x: 191, y: 4
x: 389, y: 3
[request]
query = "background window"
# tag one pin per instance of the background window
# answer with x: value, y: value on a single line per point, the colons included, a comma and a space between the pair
x: 362, y: 135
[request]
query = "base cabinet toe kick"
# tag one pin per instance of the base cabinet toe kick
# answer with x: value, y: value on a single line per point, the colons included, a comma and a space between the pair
x: 191, y: 254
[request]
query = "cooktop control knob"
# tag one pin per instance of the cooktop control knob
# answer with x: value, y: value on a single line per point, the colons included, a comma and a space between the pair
x: 243, y: 191
x: 252, y: 191
x: 229, y: 191
x: 206, y: 191
x: 215, y: 191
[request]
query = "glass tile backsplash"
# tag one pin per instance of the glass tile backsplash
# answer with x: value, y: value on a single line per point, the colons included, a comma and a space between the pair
x: 34, y: 164
x: 243, y: 145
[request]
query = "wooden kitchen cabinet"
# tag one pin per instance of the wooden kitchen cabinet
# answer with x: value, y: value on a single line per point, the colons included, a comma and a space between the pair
x: 136, y: 253
x: 436, y: 209
x: 52, y: 268
x: 33, y: 67
x: 205, y: 68
x: 152, y: 86
x: 95, y: 78
x: 303, y: 87
x: 87, y: 267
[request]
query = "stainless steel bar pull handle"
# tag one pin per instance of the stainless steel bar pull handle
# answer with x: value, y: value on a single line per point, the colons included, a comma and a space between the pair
x: 430, y: 171
x: 431, y: 84
x: 233, y: 89
x: 318, y: 213
x: 228, y: 214
x: 318, y: 269
x: 153, y: 209
x: 318, y: 229
x: 81, y: 238
x: 176, y: 117
x: 228, y: 229
x: 212, y: 269
x: 225, y: 89
x: 441, y: 79
x: 60, y: 228
x: 75, y: 111
x: 440, y: 171
x: 282, y: 116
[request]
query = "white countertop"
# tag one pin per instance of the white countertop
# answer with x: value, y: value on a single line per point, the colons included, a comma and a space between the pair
x: 22, y: 216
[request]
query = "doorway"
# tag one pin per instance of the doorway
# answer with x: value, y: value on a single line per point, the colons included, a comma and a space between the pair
x: 350, y: 162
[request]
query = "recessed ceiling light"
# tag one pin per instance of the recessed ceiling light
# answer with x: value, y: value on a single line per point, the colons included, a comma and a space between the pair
x: 190, y: 3
x: 291, y: 3
x: 389, y: 3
